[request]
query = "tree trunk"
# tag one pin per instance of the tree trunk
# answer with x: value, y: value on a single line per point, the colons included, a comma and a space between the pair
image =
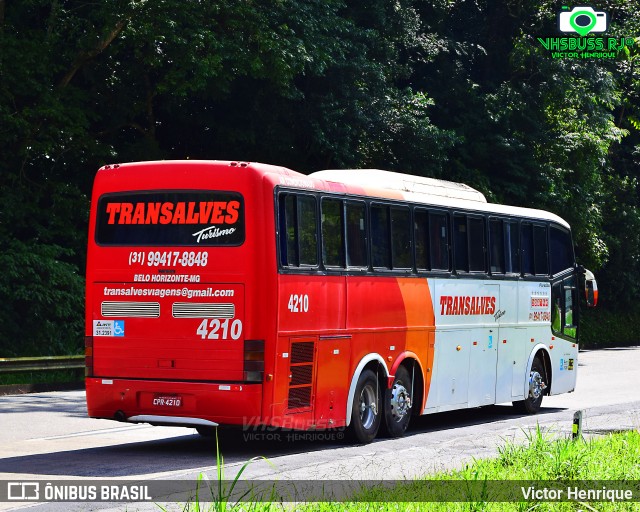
x: 85, y: 57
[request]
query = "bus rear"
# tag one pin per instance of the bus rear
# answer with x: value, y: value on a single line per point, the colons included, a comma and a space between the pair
x: 177, y: 312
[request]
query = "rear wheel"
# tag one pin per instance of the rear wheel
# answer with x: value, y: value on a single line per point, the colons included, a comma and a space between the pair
x: 206, y: 431
x: 537, y: 385
x: 398, y: 404
x: 365, y: 412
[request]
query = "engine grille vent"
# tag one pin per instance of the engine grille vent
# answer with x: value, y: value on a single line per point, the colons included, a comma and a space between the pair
x: 130, y: 309
x: 302, y: 352
x: 203, y: 310
x: 301, y: 370
x: 299, y: 397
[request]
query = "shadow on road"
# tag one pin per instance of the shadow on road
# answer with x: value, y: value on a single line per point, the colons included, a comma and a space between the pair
x: 468, y: 418
x: 192, y: 451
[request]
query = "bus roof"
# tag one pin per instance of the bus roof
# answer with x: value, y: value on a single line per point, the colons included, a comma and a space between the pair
x: 373, y: 183
x: 431, y: 188
x: 429, y: 191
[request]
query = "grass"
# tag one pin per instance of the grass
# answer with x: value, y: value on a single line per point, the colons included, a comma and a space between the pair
x: 42, y: 377
x: 614, y: 457
x: 221, y: 495
x: 541, y: 459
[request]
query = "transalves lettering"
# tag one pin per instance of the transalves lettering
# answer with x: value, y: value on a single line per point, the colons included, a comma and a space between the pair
x: 466, y: 305
x: 202, y: 212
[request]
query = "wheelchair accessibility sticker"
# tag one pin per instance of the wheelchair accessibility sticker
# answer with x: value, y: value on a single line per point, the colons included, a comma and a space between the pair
x: 108, y: 328
x: 118, y: 327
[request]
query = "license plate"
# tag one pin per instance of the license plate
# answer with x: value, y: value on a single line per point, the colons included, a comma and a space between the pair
x: 167, y: 401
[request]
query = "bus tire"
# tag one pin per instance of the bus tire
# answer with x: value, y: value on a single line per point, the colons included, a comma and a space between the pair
x: 366, y: 413
x: 398, y: 404
x: 537, y: 385
x: 206, y: 431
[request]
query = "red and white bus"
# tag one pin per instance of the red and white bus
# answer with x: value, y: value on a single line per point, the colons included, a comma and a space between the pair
x: 226, y: 293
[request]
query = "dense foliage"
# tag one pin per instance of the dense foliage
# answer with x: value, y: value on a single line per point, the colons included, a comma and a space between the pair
x: 454, y: 89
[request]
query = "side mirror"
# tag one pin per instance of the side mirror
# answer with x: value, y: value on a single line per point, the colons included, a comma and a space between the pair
x: 590, y: 289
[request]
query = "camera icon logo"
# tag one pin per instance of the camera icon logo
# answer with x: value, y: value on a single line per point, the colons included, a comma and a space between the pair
x: 583, y: 20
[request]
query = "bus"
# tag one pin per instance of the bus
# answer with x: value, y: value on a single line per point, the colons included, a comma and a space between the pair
x: 249, y: 295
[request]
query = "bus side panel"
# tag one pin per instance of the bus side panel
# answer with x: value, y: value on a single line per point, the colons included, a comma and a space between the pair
x: 421, y: 325
x: 467, y: 325
x: 332, y: 382
x: 376, y: 303
x: 311, y: 303
x: 307, y: 306
x: 535, y: 314
x: 564, y: 366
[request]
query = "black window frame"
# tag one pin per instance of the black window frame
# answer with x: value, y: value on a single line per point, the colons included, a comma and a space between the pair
x: 536, y: 249
x: 559, y: 289
x: 342, y: 247
x: 508, y: 253
x: 433, y: 213
x: 385, y: 207
x: 469, y: 217
x: 553, y: 227
x: 513, y: 228
x: 502, y: 250
x: 405, y: 209
x: 367, y: 265
x: 283, y: 247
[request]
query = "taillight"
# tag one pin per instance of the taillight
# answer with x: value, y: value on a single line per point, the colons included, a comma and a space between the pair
x: 88, y: 356
x: 253, y: 360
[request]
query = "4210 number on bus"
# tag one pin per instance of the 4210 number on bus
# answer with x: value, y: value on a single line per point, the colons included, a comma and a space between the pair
x: 220, y: 330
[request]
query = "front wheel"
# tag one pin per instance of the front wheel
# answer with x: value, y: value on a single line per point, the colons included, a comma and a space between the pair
x: 398, y: 404
x: 537, y: 385
x: 365, y: 412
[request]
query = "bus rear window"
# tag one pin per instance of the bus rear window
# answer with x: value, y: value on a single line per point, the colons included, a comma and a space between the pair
x: 205, y: 218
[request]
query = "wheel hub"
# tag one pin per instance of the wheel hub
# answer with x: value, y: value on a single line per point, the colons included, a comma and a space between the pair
x: 368, y: 407
x: 400, y: 402
x: 536, y: 385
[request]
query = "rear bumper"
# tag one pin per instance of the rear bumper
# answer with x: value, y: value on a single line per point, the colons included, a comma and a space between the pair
x: 223, y: 404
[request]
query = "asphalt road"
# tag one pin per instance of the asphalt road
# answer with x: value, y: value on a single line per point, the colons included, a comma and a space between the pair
x: 48, y: 436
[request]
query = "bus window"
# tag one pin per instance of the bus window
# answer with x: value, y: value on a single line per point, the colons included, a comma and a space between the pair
x: 569, y: 327
x: 356, y: 235
x: 439, y: 240
x: 496, y: 246
x: 526, y: 246
x: 556, y: 307
x: 476, y: 245
x: 561, y: 250
x: 421, y: 228
x: 401, y: 237
x: 460, y: 243
x: 540, y: 250
x: 380, y: 236
x: 288, y: 231
x: 512, y: 262
x: 307, y: 231
x: 564, y: 302
x: 298, y: 231
x: 332, y: 233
